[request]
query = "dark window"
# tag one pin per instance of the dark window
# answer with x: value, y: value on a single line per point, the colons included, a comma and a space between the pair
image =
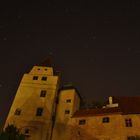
x: 39, y: 111
x: 128, y: 122
x: 105, y: 120
x: 82, y: 122
x: 68, y: 100
x: 43, y: 93
x: 35, y: 78
x: 38, y: 68
x: 131, y: 138
x: 44, y: 78
x: 18, y: 112
x: 67, y: 112
x: 26, y: 131
x: 45, y: 69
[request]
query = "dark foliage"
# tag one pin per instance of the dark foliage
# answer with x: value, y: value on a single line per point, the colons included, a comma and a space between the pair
x: 11, y: 133
x: 97, y: 104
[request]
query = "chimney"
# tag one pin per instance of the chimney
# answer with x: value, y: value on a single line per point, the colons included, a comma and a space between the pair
x: 110, y: 100
x: 111, y: 104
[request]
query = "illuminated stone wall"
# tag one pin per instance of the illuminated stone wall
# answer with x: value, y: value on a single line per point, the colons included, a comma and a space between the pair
x: 39, y: 90
x: 69, y: 103
x: 95, y: 129
x: 24, y: 108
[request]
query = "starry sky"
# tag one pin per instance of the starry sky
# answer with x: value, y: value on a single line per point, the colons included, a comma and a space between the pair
x: 96, y: 46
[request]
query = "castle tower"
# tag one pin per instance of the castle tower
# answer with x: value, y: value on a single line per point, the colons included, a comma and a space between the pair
x: 33, y: 108
x: 68, y: 104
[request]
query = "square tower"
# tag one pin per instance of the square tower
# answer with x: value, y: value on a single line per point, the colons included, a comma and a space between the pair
x: 34, y: 105
x: 68, y: 104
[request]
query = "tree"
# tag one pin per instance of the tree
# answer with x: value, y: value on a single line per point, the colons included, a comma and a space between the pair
x: 11, y: 133
x: 97, y: 104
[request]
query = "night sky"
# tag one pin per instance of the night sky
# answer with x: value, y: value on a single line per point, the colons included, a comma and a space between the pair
x: 96, y: 46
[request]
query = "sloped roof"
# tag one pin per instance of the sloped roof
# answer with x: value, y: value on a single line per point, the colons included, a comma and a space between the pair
x: 127, y: 105
x: 98, y: 111
x: 69, y: 87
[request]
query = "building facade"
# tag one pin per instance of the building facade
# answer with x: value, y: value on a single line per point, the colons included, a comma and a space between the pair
x: 41, y: 110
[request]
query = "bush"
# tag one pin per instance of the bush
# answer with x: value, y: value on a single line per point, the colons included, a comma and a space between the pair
x: 11, y: 133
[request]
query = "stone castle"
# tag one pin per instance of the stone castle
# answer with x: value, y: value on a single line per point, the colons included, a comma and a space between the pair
x: 41, y: 110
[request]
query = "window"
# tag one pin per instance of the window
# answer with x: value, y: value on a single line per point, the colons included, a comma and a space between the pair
x: 44, y: 78
x: 45, y: 69
x: 133, y: 137
x: 43, y: 93
x: 35, y: 77
x: 128, y: 122
x: 68, y: 100
x: 38, y: 68
x: 105, y: 120
x: 26, y: 131
x: 39, y: 111
x: 82, y: 122
x: 67, y: 112
x: 18, y: 112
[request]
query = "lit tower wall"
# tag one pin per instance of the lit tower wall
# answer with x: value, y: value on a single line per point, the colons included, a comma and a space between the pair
x: 68, y: 104
x: 33, y: 108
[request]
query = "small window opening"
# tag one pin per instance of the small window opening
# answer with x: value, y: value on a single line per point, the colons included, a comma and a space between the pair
x: 67, y: 112
x: 18, y: 112
x: 44, y: 78
x: 39, y: 111
x: 128, y: 122
x: 35, y: 77
x: 133, y: 138
x: 43, y: 93
x: 82, y: 122
x: 105, y: 120
x: 68, y: 100
x: 26, y: 131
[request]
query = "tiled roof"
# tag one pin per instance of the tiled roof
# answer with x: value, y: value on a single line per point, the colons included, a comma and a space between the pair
x: 95, y: 112
x: 127, y: 105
